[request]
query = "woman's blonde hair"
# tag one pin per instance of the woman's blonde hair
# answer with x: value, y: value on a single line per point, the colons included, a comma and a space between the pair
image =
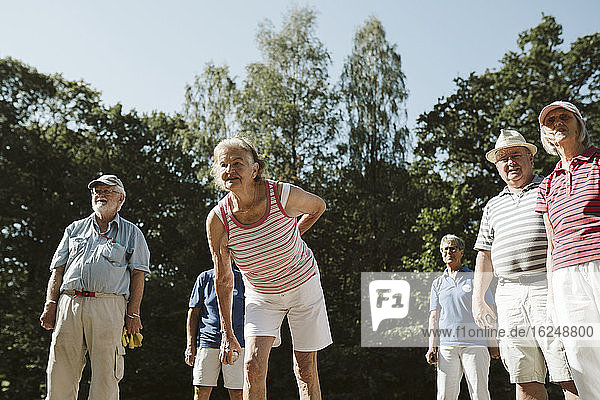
x: 239, y: 142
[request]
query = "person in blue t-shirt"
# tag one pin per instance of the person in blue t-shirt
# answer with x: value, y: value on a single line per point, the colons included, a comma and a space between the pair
x: 459, y: 346
x: 204, y: 337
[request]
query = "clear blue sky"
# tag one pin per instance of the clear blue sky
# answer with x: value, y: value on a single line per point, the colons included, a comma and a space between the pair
x: 142, y: 53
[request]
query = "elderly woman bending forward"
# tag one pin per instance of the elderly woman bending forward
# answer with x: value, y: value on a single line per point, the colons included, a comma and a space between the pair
x: 256, y: 225
x: 569, y: 199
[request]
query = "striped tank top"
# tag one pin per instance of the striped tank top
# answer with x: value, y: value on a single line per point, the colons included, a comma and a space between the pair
x: 270, y: 253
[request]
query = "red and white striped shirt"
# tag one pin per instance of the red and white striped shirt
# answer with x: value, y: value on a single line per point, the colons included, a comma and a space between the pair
x: 270, y: 253
x: 571, y: 197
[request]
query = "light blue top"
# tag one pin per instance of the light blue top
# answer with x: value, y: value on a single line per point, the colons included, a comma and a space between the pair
x: 101, y: 262
x: 452, y: 297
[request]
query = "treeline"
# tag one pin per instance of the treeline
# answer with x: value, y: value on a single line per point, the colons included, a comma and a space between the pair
x: 344, y: 138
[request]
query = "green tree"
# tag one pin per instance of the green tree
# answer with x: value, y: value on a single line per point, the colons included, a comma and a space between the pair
x: 209, y: 111
x: 287, y: 104
x: 55, y: 135
x: 455, y: 135
x: 373, y: 92
x: 460, y: 128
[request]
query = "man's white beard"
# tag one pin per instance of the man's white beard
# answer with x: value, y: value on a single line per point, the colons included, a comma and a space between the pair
x: 101, y: 208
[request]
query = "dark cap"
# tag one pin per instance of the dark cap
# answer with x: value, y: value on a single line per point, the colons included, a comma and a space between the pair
x: 111, y: 180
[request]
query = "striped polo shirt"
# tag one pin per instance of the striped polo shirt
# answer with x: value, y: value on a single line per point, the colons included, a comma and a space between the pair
x: 270, y: 253
x: 571, y: 197
x: 514, y: 233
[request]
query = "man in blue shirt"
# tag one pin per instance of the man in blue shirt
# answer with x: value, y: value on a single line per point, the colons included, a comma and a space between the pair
x: 95, y: 288
x: 463, y: 346
x: 204, y: 337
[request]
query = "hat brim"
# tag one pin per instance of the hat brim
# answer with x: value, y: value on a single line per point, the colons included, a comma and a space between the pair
x: 99, y: 182
x: 569, y: 107
x: 491, y: 155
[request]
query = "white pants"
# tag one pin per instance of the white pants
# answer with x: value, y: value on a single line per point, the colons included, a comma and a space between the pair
x: 453, y: 361
x: 577, y: 302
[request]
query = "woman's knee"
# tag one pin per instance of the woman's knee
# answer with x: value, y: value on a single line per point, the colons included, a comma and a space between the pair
x: 255, y: 370
x: 305, y: 366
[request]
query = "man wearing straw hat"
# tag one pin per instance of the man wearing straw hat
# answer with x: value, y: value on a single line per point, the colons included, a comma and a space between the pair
x: 512, y: 245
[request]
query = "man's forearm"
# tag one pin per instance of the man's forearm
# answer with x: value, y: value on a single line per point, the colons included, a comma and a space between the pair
x: 54, y: 283
x: 483, y: 275
x: 136, y: 291
x: 192, y: 326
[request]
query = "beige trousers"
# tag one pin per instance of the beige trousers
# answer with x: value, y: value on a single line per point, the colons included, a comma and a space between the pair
x: 93, y: 325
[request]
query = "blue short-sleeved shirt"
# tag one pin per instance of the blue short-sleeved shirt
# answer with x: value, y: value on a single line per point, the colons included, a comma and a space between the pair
x: 101, y: 262
x: 452, y: 297
x: 204, y: 296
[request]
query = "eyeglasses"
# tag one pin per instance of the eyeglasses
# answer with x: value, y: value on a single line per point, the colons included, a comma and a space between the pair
x: 450, y: 249
x: 104, y: 192
x: 564, y: 117
x: 504, y: 159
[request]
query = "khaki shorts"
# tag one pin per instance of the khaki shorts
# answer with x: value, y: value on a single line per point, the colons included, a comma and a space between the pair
x: 305, y: 310
x: 521, y: 306
x: 207, y: 367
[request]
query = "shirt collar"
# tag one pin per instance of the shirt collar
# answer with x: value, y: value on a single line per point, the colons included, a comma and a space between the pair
x: 583, y: 157
x: 116, y: 220
x: 464, y: 268
x: 537, y: 179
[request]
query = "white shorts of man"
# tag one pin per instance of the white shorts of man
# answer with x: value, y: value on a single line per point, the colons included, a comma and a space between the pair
x: 206, y: 372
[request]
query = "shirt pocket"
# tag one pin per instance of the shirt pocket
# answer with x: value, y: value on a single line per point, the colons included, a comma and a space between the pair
x: 115, y: 253
x: 76, y: 247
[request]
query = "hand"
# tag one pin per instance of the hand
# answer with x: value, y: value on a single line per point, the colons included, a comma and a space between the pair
x: 494, y: 352
x: 432, y: 355
x: 48, y: 317
x: 133, y: 325
x: 483, y: 315
x: 229, y: 345
x: 190, y: 354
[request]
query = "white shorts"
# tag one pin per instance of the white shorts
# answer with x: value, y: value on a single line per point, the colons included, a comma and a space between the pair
x: 305, y: 310
x: 522, y: 306
x: 207, y: 367
x: 577, y: 303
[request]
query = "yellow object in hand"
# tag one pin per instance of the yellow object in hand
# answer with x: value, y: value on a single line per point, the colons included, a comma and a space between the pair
x: 131, y: 341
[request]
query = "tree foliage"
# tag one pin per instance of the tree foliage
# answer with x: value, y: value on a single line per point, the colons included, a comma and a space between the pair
x: 209, y: 111
x: 384, y: 214
x: 455, y: 135
x: 286, y: 102
x: 373, y: 92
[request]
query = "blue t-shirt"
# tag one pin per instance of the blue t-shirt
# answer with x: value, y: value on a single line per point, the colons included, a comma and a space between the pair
x: 204, y: 296
x: 453, y: 297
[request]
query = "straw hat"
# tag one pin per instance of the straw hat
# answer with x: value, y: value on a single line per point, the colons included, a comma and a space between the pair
x: 509, y: 138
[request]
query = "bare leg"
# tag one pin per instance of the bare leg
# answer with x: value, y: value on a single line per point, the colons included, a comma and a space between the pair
x: 235, y: 394
x: 307, y: 375
x: 531, y: 391
x: 256, y: 364
x: 202, y: 392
